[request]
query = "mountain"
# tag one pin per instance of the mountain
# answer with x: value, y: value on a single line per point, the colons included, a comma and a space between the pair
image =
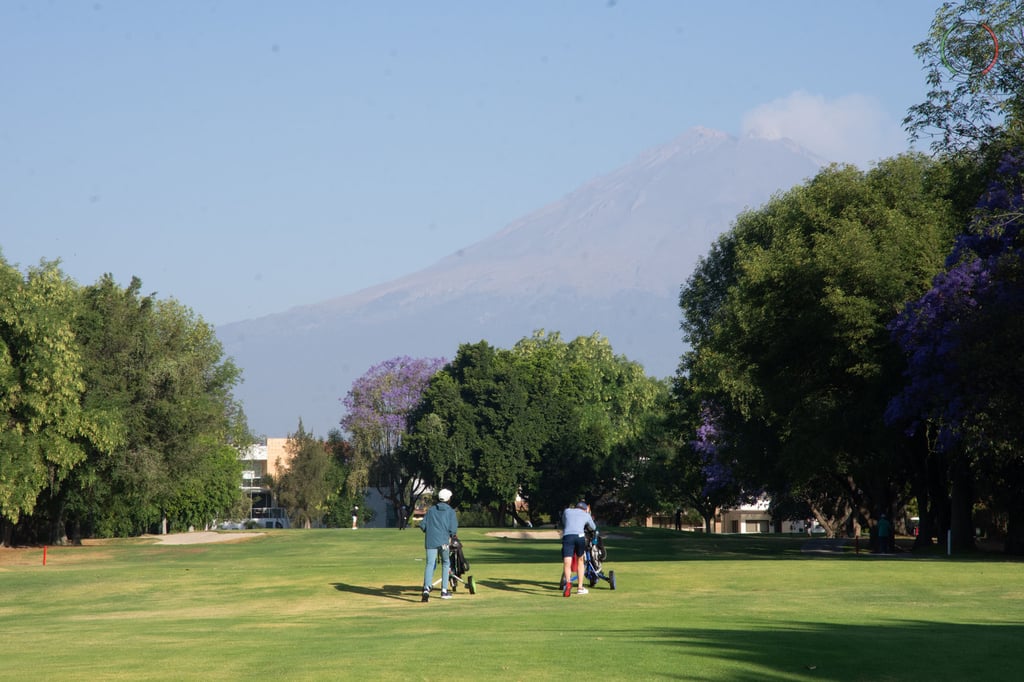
x: 609, y: 257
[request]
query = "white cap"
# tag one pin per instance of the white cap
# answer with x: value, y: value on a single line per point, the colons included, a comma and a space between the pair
x: 444, y: 495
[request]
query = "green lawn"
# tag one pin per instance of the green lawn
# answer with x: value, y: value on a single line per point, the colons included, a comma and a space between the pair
x: 343, y: 604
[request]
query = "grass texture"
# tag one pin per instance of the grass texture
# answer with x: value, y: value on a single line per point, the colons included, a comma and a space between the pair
x: 343, y: 604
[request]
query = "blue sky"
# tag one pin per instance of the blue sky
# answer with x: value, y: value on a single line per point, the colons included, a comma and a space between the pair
x: 246, y: 157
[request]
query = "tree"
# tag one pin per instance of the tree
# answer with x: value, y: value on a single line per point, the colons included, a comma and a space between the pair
x: 45, y: 431
x: 599, y: 406
x: 161, y: 371
x: 306, y: 484
x: 974, y: 57
x: 963, y: 379
x: 787, y: 318
x: 378, y: 407
x: 547, y: 421
x: 337, y: 508
x: 476, y: 430
x: 712, y: 482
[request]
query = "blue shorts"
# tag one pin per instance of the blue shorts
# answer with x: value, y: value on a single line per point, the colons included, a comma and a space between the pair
x: 573, y: 544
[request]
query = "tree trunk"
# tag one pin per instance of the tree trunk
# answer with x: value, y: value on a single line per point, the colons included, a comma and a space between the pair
x: 937, y: 521
x: 1014, y: 543
x: 55, y: 526
x: 961, y: 505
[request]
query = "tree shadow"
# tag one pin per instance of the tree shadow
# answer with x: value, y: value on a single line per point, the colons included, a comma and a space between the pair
x: 633, y: 545
x: 625, y: 545
x: 896, y: 650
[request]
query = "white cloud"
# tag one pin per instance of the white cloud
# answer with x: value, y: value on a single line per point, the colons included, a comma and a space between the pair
x: 850, y: 129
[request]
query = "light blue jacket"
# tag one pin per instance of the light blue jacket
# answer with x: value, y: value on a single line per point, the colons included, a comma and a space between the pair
x: 439, y: 523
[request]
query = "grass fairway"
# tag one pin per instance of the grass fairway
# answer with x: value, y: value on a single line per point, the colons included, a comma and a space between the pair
x: 342, y: 604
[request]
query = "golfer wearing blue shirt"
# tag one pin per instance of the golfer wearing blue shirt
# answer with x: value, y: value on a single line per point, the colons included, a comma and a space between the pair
x: 439, y: 524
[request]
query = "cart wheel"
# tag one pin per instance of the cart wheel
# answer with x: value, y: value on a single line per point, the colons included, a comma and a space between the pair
x: 455, y: 585
x: 592, y: 581
x: 611, y: 578
x: 561, y: 584
x: 472, y: 585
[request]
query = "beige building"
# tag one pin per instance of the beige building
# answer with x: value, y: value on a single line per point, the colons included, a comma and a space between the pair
x: 258, y: 461
x: 746, y: 518
x: 272, y: 458
x: 261, y: 460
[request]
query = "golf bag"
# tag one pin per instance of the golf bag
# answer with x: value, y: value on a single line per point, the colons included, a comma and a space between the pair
x: 594, y: 558
x: 459, y: 567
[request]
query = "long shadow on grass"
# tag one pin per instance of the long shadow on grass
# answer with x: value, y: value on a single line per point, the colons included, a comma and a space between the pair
x: 399, y: 592
x: 895, y: 650
x: 651, y: 545
x: 520, y: 585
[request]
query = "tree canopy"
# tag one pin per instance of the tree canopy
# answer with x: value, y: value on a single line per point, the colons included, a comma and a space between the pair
x: 119, y: 411
x: 45, y: 430
x: 962, y: 339
x: 973, y: 58
x: 546, y: 421
x: 787, y: 318
x: 305, y: 487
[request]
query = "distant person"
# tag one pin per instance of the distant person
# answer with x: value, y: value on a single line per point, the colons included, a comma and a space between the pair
x: 355, y: 517
x: 439, y: 524
x: 679, y: 519
x: 575, y: 522
x: 403, y: 517
x: 884, y: 535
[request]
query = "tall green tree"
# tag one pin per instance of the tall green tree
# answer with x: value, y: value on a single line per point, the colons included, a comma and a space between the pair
x: 601, y: 405
x: 338, y: 505
x: 162, y: 371
x: 787, y: 326
x: 547, y: 421
x: 305, y: 486
x: 45, y: 430
x: 475, y: 431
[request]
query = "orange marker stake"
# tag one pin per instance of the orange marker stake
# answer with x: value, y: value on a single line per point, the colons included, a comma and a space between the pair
x: 44, y: 555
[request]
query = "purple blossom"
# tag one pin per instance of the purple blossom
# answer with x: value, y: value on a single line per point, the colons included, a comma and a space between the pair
x: 940, y: 332
x: 717, y: 475
x: 379, y: 402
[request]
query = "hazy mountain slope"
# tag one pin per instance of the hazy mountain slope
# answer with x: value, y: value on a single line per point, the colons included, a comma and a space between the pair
x: 609, y: 257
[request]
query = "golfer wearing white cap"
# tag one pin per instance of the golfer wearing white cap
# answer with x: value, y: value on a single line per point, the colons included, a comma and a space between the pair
x: 440, y: 524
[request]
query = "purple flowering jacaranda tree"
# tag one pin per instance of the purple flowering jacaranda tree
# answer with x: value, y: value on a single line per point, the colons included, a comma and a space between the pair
x: 715, y: 484
x: 963, y: 342
x: 377, y: 409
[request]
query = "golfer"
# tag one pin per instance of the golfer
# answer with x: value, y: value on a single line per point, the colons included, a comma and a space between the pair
x: 440, y: 524
x: 575, y: 522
